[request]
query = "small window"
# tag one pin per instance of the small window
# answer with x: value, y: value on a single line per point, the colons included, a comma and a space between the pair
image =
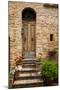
x: 51, y: 37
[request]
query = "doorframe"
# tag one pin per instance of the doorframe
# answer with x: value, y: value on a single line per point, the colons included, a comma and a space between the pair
x: 35, y: 31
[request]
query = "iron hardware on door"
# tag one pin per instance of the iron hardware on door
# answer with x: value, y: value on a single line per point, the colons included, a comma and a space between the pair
x: 24, y: 39
x: 32, y: 39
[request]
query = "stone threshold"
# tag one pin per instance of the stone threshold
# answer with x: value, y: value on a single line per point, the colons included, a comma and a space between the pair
x: 29, y: 59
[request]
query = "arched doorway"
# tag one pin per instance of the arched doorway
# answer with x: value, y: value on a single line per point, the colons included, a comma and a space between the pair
x: 28, y: 32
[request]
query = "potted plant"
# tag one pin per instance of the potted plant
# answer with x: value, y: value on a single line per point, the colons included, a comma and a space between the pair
x: 49, y: 73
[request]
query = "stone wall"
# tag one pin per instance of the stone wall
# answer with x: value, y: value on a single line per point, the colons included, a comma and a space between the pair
x: 46, y: 24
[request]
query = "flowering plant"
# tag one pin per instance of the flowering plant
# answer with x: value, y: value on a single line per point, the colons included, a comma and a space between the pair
x: 19, y: 60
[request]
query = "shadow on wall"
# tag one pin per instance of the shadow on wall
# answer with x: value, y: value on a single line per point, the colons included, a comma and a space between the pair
x: 53, y: 54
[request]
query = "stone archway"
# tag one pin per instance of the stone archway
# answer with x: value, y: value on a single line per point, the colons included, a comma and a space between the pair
x: 28, y: 32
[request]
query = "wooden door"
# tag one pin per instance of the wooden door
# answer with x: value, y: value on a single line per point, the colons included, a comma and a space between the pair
x: 28, y: 39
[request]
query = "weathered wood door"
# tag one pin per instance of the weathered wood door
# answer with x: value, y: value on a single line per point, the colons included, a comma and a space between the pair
x: 28, y: 38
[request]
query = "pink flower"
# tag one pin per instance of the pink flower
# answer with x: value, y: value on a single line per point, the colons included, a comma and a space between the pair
x: 20, y: 58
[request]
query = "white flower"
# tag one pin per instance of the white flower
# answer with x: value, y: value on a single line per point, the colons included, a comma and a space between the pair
x: 12, y: 71
x: 18, y: 68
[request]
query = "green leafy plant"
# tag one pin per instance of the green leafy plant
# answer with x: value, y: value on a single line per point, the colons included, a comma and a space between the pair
x: 11, y: 79
x: 38, y: 58
x: 49, y: 71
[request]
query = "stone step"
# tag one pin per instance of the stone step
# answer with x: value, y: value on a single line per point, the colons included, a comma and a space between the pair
x: 18, y: 74
x: 39, y: 84
x: 25, y: 59
x: 28, y: 71
x: 28, y: 81
x: 27, y: 77
x: 29, y: 74
x: 31, y: 62
x: 28, y: 65
x: 25, y: 68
